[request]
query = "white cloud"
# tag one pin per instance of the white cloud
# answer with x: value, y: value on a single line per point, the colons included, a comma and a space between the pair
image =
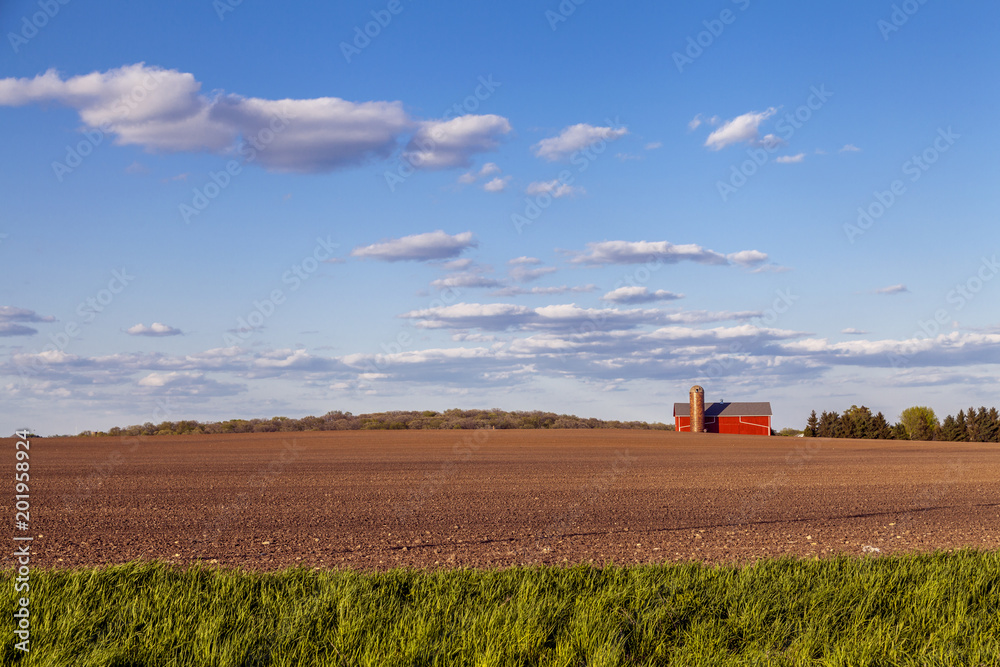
x: 457, y: 264
x: 636, y: 294
x: 747, y: 257
x: 653, y: 145
x: 638, y: 252
x: 575, y: 138
x: 488, y: 169
x: 498, y: 184
x: 742, y: 129
x: 443, y: 144
x: 697, y: 121
x: 892, y: 289
x: 418, y: 247
x: 524, y: 260
x: 165, y: 110
x: 523, y: 274
x: 189, y: 384
x: 851, y: 331
x: 466, y: 279
x: 156, y: 329
x: 565, y: 317
x: 952, y: 349
x: 555, y: 187
x: 790, y: 159
x: 850, y: 148
x: 563, y: 289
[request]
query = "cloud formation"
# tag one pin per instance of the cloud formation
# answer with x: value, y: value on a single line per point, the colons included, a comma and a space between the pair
x: 12, y: 321
x: 636, y: 294
x: 452, y: 143
x: 555, y: 187
x: 418, y: 247
x: 602, y: 253
x: 498, y: 184
x: 156, y: 329
x: 165, y: 110
x: 892, y: 289
x: 739, y: 130
x: 575, y: 138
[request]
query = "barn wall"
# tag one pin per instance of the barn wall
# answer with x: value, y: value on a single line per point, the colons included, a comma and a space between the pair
x: 756, y: 425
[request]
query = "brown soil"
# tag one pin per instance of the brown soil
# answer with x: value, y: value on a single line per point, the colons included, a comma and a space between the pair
x: 380, y: 499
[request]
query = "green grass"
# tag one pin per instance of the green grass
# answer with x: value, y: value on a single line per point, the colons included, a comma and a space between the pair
x: 931, y: 609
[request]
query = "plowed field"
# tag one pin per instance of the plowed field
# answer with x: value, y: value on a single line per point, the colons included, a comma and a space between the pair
x: 379, y: 499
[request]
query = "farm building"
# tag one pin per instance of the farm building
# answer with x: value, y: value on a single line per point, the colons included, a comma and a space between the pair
x: 737, y: 418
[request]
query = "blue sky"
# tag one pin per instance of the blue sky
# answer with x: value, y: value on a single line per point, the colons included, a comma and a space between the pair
x: 236, y: 210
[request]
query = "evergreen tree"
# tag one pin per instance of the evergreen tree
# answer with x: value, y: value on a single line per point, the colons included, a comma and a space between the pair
x: 829, y: 425
x: 961, y: 428
x: 973, y: 426
x: 983, y: 425
x: 993, y: 426
x: 899, y: 432
x: 812, y: 425
x: 881, y: 428
x: 949, y: 429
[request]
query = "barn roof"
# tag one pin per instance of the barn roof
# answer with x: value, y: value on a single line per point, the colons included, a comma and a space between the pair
x: 746, y: 409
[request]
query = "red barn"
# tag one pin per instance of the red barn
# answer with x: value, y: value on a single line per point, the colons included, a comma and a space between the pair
x: 737, y: 418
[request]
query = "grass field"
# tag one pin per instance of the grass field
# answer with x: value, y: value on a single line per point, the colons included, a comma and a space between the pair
x: 930, y: 609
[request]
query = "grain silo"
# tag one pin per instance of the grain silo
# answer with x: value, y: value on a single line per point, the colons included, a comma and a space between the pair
x: 697, y: 397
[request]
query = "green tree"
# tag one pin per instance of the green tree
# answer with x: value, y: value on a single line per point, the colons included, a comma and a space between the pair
x: 881, y: 428
x: 993, y: 425
x: 950, y: 430
x: 961, y: 428
x: 812, y: 424
x: 920, y: 422
x: 828, y: 422
x: 858, y: 422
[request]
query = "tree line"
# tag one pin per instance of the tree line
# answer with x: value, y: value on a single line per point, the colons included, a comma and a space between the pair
x: 916, y: 423
x: 394, y: 420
